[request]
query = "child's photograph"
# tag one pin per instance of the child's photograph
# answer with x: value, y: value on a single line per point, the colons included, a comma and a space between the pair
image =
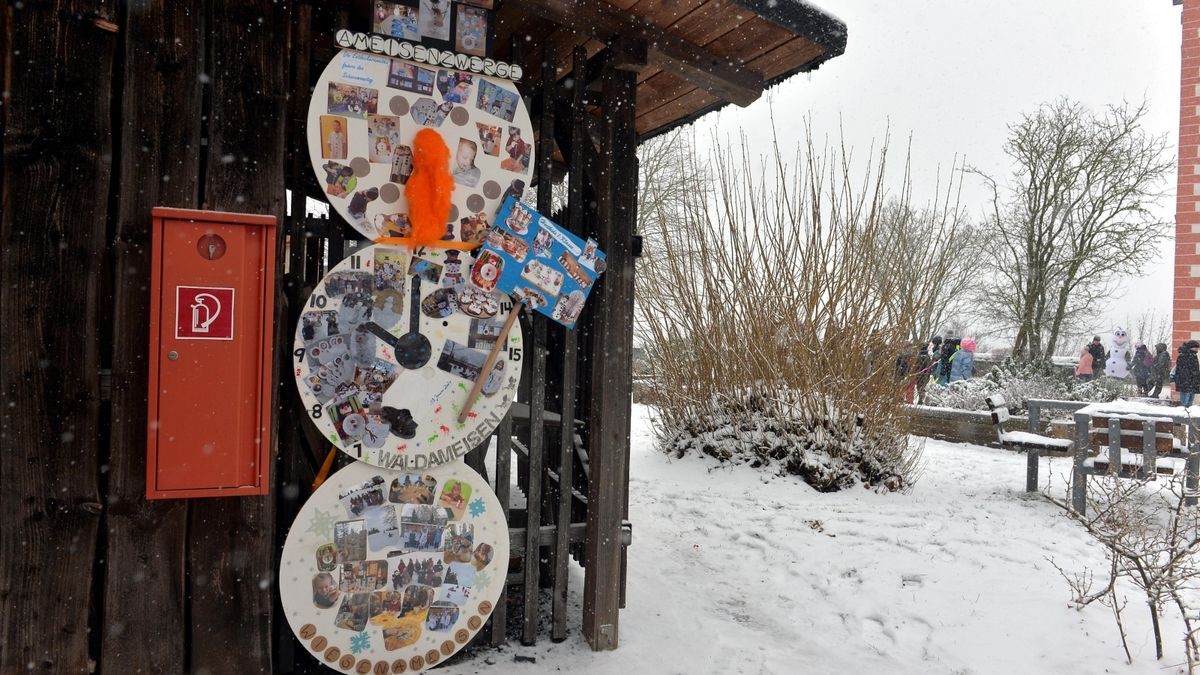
x: 412, y: 488
x: 383, y: 132
x: 496, y: 100
x: 421, y: 528
x: 542, y: 242
x: 350, y: 540
x: 339, y: 179
x: 464, y: 170
x: 482, y: 556
x: 458, y: 542
x: 427, y: 270
x: 362, y: 576
x: 360, y: 497
x: 442, y: 615
x: 333, y: 136
x: 435, y: 19
x: 455, y: 86
x: 417, y: 599
x: 410, y: 77
x: 407, y: 633
x: 352, y: 101
x: 489, y: 139
x: 455, y: 495
x: 470, y: 29
x: 383, y: 530
x: 352, y: 615
x: 325, y: 590
x: 516, y: 152
x: 396, y: 20
x: 402, y: 164
x: 385, y: 608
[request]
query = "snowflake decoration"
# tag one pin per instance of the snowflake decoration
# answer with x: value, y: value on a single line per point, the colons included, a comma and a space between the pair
x: 360, y: 643
x: 482, y: 581
x: 477, y: 507
x: 321, y: 523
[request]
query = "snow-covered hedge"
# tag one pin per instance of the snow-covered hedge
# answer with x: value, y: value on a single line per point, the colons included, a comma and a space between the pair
x: 1019, y: 382
x: 808, y: 435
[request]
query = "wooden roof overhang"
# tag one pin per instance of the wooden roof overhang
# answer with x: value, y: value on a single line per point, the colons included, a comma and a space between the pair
x: 699, y: 54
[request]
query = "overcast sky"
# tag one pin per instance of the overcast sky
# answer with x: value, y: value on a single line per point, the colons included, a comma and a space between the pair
x: 955, y: 73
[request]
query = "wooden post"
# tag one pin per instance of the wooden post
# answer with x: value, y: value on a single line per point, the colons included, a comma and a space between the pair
x: 611, y: 372
x: 57, y: 118
x: 232, y: 552
x: 499, y: 617
x: 1079, y: 480
x: 159, y: 163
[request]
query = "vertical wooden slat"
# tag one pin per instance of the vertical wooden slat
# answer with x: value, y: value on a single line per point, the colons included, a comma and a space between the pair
x: 575, y: 206
x: 499, y: 617
x: 232, y: 548
x: 1083, y: 423
x: 537, y: 398
x: 58, y: 71
x: 159, y: 164
x: 611, y: 367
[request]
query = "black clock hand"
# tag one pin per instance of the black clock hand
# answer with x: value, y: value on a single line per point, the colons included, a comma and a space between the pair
x: 380, y: 332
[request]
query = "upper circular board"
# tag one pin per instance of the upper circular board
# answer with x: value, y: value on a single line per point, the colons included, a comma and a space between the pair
x: 363, y: 115
x: 388, y: 348
x: 384, y: 568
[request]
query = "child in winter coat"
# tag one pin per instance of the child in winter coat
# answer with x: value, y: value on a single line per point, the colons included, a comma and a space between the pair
x: 1083, y: 370
x: 962, y: 363
x: 1187, y: 372
x: 1160, y: 369
x: 1142, y: 362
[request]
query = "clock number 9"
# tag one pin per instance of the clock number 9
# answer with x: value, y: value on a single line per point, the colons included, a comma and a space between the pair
x: 318, y: 301
x: 316, y: 411
x: 299, y: 354
x: 514, y: 354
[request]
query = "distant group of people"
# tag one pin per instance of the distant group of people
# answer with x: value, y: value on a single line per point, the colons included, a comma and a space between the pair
x: 1151, y: 370
x: 940, y: 361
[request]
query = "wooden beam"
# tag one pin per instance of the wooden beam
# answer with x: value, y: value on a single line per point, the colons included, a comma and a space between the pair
x: 721, y: 77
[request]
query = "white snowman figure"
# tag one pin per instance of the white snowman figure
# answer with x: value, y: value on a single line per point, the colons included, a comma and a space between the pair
x: 1118, y: 357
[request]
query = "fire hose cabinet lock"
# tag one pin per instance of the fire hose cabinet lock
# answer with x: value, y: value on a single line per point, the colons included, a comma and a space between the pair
x: 212, y: 307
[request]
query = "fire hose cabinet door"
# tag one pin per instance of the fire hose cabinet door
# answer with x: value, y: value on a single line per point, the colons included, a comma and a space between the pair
x: 212, y: 310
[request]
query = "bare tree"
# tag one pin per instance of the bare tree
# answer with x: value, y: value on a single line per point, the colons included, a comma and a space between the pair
x: 1073, y: 218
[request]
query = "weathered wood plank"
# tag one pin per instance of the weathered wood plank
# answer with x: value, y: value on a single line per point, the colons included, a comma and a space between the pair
x: 611, y: 374
x: 499, y: 617
x: 57, y: 178
x: 159, y: 155
x: 232, y: 556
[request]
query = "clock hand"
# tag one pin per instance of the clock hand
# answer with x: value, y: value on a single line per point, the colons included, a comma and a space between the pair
x: 380, y: 332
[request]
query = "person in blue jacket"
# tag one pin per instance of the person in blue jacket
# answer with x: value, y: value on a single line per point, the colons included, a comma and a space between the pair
x: 962, y: 363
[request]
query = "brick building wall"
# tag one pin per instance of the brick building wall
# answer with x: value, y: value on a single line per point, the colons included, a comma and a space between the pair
x: 1187, y: 206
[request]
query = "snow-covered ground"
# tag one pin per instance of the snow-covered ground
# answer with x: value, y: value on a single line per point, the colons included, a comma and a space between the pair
x: 732, y: 571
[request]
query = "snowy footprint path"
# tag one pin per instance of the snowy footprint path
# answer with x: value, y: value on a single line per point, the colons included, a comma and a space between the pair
x: 735, y: 572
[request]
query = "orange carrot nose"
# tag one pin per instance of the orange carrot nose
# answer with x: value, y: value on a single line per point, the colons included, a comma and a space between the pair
x: 429, y: 188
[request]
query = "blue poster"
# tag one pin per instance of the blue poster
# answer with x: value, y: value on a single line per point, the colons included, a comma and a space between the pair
x: 534, y: 260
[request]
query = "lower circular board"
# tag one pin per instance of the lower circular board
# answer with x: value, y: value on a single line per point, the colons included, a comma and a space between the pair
x: 383, y: 568
x: 388, y: 348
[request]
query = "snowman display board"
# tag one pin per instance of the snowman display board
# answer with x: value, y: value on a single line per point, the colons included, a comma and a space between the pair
x: 1118, y: 355
x: 364, y: 112
x: 388, y: 572
x: 531, y: 258
x: 387, y: 348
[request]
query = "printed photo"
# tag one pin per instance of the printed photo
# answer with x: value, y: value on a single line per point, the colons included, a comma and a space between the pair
x: 421, y: 527
x: 455, y: 86
x: 471, y: 30
x: 489, y: 139
x: 515, y: 189
x: 412, y: 489
x: 477, y: 303
x: 484, y: 333
x: 486, y: 4
x: 568, y: 308
x: 575, y: 270
x: 542, y: 243
x: 350, y: 539
x: 588, y: 258
x: 325, y: 590
x: 321, y: 323
x: 516, y: 151
x: 482, y: 556
x: 427, y: 571
x: 439, y: 304
x: 363, y: 576
x: 534, y: 298
x: 393, y: 224
x: 496, y: 100
x: 410, y: 77
x: 417, y: 599
x: 402, y: 165
x: 352, y: 101
x: 402, y: 636
x: 377, y: 430
x: 460, y: 574
x: 465, y: 171
x: 347, y: 417
x: 442, y: 615
x: 375, y: 379
x: 509, y: 243
x: 383, y: 136
x: 543, y: 276
x: 383, y: 530
x: 358, y: 498
x: 435, y: 19
x: 519, y: 218
x: 464, y: 362
x: 357, y: 208
x: 353, y: 613
x: 455, y: 495
x: 339, y: 179
x: 385, y: 609
x: 428, y: 270
x: 487, y: 270
x: 456, y: 595
x: 327, y: 557
x: 458, y: 542
x: 473, y: 229
x: 390, y: 266
x: 396, y: 20
x: 452, y: 268
x: 428, y: 113
x: 333, y: 136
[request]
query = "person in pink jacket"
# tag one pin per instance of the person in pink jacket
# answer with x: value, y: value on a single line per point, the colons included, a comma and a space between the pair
x: 1083, y: 371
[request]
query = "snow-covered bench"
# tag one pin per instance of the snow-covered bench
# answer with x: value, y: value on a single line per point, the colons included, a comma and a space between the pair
x: 1023, y: 441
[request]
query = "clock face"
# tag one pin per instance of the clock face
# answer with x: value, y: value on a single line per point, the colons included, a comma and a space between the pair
x: 364, y: 113
x: 390, y: 567
x: 388, y: 348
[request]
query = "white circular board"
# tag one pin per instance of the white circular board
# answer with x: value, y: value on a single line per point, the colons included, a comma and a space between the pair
x: 382, y: 568
x: 387, y: 349
x: 363, y: 115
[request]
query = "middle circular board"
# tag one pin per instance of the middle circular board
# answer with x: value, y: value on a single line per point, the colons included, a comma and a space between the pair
x: 388, y: 348
x: 364, y: 113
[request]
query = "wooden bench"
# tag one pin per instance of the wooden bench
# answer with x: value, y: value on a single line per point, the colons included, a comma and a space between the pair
x: 1033, y: 445
x: 1137, y: 447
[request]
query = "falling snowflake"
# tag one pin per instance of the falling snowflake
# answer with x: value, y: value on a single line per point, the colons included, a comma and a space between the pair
x: 321, y: 523
x: 477, y: 507
x: 360, y: 643
x: 482, y: 581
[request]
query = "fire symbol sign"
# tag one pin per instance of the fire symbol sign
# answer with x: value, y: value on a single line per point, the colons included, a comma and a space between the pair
x: 203, y: 313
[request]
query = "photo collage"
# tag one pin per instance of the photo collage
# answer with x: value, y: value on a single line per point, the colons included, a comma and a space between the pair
x: 346, y: 363
x: 369, y: 108
x: 404, y: 559
x: 464, y: 26
x: 536, y: 261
